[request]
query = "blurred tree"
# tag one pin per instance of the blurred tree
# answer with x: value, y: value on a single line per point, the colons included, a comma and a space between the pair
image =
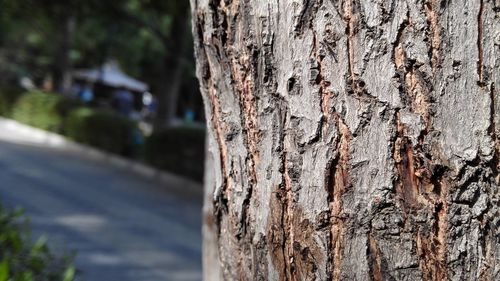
x: 168, y: 21
x: 150, y: 39
x: 39, y: 36
x: 21, y: 44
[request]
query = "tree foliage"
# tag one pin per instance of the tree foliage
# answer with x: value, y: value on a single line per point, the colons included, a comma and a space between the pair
x: 22, y: 260
x: 140, y: 34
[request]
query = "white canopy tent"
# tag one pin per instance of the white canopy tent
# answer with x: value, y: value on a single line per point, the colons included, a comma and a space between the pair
x: 111, y: 75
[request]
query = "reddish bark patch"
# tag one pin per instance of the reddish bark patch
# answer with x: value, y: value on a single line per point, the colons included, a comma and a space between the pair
x: 431, y: 7
x: 375, y: 259
x: 337, y: 184
x: 415, y: 87
x: 418, y: 94
x: 276, y: 238
x: 408, y: 186
x: 240, y: 65
x: 305, y: 252
x: 431, y: 250
x: 209, y: 219
x: 216, y: 121
x: 278, y: 220
x: 419, y: 188
x: 291, y: 242
x: 431, y: 246
x: 325, y: 94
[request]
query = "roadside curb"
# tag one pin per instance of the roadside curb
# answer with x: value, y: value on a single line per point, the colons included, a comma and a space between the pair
x: 53, y: 140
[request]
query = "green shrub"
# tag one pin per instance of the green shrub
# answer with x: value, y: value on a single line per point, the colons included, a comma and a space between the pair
x: 43, y: 110
x: 24, y: 261
x: 101, y: 128
x: 179, y: 150
x: 8, y: 98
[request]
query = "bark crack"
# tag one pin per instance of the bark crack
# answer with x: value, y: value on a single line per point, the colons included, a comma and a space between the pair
x: 432, y: 247
x: 309, y: 8
x: 480, y: 51
x: 354, y: 84
x: 350, y: 20
x: 338, y: 182
x: 286, y: 212
x: 407, y: 187
x: 244, y: 86
x: 415, y: 87
x: 397, y: 51
x: 325, y: 93
x: 435, y: 36
x: 279, y: 220
x: 492, y: 130
x: 220, y: 195
x: 242, y: 70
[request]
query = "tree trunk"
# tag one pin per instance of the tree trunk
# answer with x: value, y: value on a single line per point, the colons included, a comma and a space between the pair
x: 351, y: 140
x: 173, y: 70
x: 62, y: 65
x: 167, y: 89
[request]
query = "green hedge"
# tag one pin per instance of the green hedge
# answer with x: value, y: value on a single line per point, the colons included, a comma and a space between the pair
x: 21, y: 260
x: 179, y: 150
x: 8, y: 98
x: 43, y: 110
x: 101, y: 128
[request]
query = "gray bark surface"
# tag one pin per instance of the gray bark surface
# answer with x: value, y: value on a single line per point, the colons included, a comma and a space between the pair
x: 351, y: 140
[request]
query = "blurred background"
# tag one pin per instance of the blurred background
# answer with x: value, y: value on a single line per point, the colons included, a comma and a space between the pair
x: 101, y: 141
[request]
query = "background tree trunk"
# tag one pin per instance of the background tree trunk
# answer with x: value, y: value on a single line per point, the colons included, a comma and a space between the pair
x: 173, y: 69
x: 351, y: 140
x: 62, y: 65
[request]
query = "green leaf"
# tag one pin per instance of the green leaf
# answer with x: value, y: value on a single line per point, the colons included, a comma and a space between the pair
x: 4, y: 270
x: 40, y: 246
x: 69, y: 275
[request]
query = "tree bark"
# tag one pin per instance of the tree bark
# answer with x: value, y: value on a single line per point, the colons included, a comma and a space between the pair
x: 350, y: 140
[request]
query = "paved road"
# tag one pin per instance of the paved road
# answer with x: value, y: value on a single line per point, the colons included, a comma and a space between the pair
x: 123, y: 227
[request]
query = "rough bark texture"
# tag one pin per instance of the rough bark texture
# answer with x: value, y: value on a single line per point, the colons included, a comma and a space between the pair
x: 351, y: 140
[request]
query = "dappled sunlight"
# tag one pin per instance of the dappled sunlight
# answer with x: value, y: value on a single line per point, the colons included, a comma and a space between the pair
x: 120, y: 223
x: 179, y: 275
x: 102, y: 258
x: 83, y: 222
x: 15, y: 132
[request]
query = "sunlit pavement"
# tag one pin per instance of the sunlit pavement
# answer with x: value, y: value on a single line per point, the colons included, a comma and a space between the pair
x: 123, y: 226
